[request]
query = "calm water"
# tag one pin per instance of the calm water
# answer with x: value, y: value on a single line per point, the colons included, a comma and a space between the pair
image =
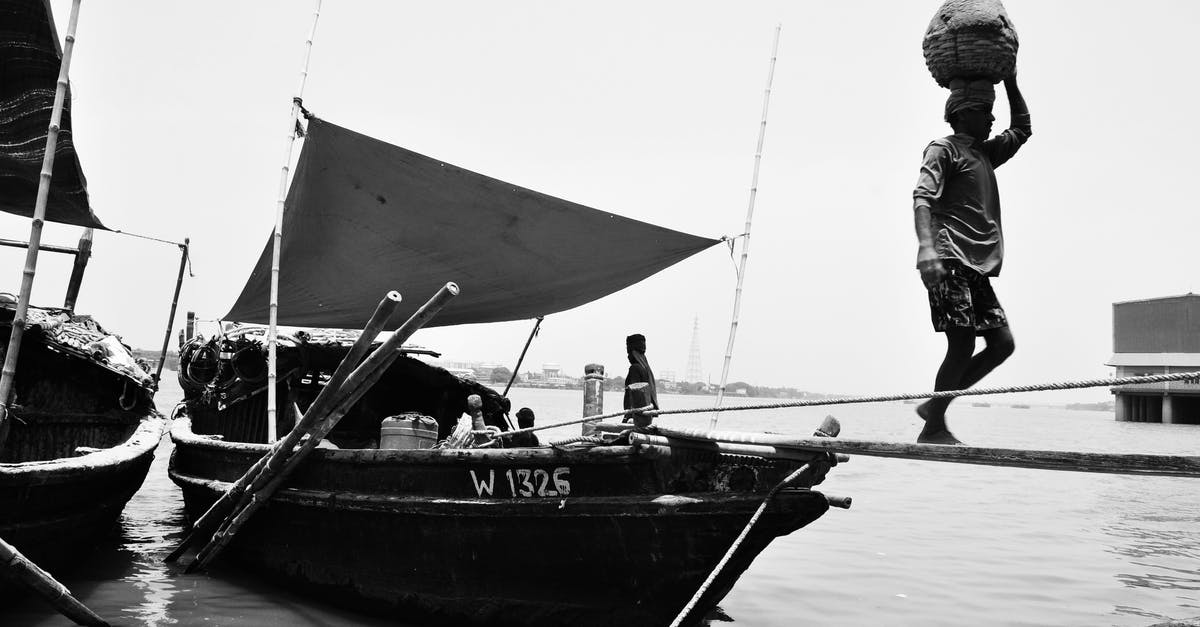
x: 925, y: 543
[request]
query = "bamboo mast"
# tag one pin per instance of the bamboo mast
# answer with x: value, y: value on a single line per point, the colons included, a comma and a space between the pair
x: 9, y: 372
x: 741, y: 273
x: 277, y: 238
x: 162, y: 355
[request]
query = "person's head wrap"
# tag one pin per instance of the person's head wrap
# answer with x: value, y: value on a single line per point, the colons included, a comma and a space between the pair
x: 636, y: 342
x: 966, y: 95
x: 524, y: 417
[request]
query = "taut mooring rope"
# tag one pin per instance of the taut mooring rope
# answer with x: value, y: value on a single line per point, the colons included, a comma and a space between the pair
x: 1040, y: 387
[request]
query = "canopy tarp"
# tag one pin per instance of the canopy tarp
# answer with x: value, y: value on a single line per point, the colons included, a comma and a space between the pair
x: 30, y: 57
x: 364, y: 217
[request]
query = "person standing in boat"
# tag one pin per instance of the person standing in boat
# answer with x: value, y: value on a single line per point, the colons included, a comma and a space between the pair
x: 639, y: 373
x: 956, y: 206
x: 525, y: 419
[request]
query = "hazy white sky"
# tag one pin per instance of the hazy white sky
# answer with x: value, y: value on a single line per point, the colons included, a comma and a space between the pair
x: 651, y: 110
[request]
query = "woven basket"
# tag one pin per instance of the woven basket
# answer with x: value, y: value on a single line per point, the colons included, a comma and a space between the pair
x: 970, y: 39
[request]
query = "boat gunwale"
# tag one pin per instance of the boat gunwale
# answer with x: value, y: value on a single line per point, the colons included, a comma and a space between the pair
x: 653, y: 505
x: 182, y: 435
x: 144, y: 439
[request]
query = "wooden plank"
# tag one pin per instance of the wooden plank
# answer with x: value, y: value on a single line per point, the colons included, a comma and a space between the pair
x: 1072, y: 461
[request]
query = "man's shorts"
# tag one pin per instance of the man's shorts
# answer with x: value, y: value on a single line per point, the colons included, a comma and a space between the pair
x: 964, y: 299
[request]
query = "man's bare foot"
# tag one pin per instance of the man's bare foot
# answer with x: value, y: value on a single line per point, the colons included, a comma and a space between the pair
x: 923, y: 411
x: 941, y: 436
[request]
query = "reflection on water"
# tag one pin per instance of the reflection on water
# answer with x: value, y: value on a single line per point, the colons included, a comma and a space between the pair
x: 148, y: 531
x: 925, y: 543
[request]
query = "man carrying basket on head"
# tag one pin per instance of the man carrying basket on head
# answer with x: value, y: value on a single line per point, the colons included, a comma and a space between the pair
x: 956, y: 206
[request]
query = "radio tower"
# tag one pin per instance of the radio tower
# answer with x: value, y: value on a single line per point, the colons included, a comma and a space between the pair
x: 693, y: 373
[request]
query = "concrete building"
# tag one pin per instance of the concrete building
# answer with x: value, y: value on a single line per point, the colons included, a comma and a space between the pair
x: 1157, y: 336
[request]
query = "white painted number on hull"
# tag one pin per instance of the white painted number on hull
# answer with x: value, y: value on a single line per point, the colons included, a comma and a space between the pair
x: 525, y: 482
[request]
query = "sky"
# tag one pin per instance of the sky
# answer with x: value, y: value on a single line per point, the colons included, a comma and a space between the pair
x: 652, y: 111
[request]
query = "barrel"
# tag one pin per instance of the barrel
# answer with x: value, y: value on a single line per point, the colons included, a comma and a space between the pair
x: 408, y: 431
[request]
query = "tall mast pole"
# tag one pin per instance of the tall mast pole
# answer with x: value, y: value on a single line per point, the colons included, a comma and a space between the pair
x: 277, y: 239
x: 741, y: 274
x: 9, y: 372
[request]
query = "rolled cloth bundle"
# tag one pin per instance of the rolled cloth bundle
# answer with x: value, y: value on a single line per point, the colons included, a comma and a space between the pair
x: 966, y: 94
x: 972, y: 39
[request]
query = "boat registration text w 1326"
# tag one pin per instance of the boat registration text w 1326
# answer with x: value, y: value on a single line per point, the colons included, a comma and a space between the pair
x: 524, y: 482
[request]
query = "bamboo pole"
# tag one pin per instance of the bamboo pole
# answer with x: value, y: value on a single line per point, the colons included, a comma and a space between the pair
x: 9, y: 372
x: 1072, y: 461
x: 207, y: 522
x: 521, y: 359
x: 82, y: 254
x: 741, y: 274
x: 277, y: 238
x: 45, y: 248
x: 357, y: 384
x: 21, y: 569
x: 162, y: 355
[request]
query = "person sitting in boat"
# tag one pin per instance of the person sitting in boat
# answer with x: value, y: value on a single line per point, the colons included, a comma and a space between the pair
x: 639, y: 373
x: 524, y: 421
x: 956, y: 209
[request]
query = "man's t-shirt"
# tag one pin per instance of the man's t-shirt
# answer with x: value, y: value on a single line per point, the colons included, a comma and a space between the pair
x: 958, y: 184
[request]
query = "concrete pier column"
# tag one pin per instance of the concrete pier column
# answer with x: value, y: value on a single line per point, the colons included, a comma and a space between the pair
x: 1120, y: 404
x: 1168, y: 410
x: 593, y: 395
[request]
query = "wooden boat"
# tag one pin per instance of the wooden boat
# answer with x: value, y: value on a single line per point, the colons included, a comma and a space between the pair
x: 591, y: 534
x: 540, y: 536
x: 78, y: 426
x: 82, y: 436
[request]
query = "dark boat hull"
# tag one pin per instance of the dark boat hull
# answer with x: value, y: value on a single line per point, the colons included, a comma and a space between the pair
x: 52, y: 510
x: 411, y: 535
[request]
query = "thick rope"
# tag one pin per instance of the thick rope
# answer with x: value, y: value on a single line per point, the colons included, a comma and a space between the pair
x: 579, y: 439
x: 505, y: 434
x: 1064, y: 385
x: 687, y: 609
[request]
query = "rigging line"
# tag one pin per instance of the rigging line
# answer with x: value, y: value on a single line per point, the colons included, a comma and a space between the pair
x: 1040, y: 387
x: 741, y: 275
x: 153, y: 239
x: 190, y: 270
x: 517, y: 368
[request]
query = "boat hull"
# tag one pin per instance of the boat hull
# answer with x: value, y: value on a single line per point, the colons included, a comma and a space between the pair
x: 53, y: 510
x: 412, y: 535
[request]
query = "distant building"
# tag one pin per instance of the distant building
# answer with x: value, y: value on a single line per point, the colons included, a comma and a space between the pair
x: 1157, y: 336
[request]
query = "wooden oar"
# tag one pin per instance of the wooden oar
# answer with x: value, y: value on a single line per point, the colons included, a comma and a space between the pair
x: 1116, y: 463
x: 206, y: 523
x: 20, y: 569
x: 357, y: 384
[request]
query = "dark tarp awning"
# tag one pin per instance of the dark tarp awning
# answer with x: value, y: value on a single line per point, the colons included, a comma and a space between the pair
x: 29, y: 61
x: 364, y: 217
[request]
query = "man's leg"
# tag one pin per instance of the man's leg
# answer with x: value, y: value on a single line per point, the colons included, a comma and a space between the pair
x: 960, y: 345
x: 1000, y: 346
